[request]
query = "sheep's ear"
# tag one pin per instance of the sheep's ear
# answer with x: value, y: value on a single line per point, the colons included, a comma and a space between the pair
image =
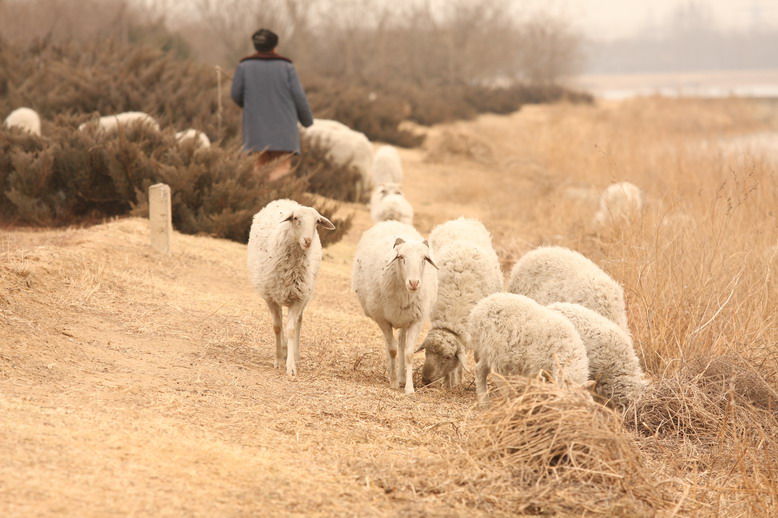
x: 462, y: 357
x: 324, y: 222
x: 398, y: 241
x: 421, y: 348
x: 429, y: 260
x: 290, y: 217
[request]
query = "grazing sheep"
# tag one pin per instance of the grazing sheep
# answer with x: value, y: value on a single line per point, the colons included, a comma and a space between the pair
x: 26, y: 119
x: 452, y: 285
x: 514, y: 335
x: 111, y: 123
x: 387, y: 166
x: 460, y: 228
x: 556, y: 274
x: 613, y: 364
x: 199, y: 137
x: 619, y: 202
x: 396, y: 289
x: 284, y: 255
x: 392, y: 206
x: 346, y: 147
x: 467, y: 273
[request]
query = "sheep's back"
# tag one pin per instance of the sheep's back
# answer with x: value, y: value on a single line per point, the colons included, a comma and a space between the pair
x: 468, y: 272
x: 515, y: 335
x: 557, y: 274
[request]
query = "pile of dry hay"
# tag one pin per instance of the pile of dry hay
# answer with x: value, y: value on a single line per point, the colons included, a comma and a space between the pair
x: 542, y: 443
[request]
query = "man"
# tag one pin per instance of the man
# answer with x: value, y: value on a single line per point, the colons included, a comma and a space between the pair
x: 266, y: 86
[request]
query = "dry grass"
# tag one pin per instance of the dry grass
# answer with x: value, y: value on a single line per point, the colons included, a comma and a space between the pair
x: 133, y: 383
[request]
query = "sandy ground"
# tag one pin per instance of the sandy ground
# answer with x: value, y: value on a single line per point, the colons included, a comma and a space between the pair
x: 137, y: 384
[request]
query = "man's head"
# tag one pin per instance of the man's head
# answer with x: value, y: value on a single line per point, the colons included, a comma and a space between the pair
x: 264, y: 40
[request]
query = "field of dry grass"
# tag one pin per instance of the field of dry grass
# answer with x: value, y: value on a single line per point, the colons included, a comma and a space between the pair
x: 138, y: 384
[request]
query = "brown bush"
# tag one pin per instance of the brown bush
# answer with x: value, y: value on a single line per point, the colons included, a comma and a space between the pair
x: 71, y: 176
x: 324, y: 177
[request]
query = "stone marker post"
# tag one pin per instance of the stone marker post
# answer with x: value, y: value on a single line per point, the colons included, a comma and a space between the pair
x: 160, y: 217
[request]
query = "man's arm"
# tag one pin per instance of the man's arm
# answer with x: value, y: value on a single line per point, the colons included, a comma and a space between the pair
x: 304, y: 113
x: 236, y: 91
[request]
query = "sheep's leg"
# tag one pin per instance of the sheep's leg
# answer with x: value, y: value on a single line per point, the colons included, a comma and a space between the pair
x: 481, y: 372
x: 298, y: 328
x: 293, y: 321
x: 454, y: 377
x: 408, y: 345
x: 275, y: 312
x: 391, y: 352
x: 401, y: 339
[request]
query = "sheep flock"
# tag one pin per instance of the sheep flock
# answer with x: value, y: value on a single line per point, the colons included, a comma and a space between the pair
x: 558, y: 316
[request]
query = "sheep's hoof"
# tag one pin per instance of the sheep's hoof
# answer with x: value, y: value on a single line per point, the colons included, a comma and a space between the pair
x: 409, y: 389
x: 291, y: 369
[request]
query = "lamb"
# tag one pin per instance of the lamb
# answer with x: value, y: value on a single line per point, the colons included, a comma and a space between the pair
x: 111, y: 123
x: 346, y: 147
x: 388, y: 203
x: 514, y: 335
x: 387, y: 166
x: 200, y: 138
x: 613, y: 364
x: 395, y: 289
x: 379, y: 191
x: 26, y: 119
x: 469, y: 271
x: 284, y: 255
x: 619, y: 202
x: 550, y: 274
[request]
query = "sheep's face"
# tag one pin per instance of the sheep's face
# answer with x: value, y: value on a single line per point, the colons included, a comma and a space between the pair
x: 389, y: 188
x: 305, y: 222
x: 412, y: 257
x: 443, y: 354
x: 384, y: 190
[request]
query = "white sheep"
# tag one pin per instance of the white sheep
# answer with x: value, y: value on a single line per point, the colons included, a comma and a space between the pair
x: 452, y: 230
x: 396, y: 281
x: 379, y: 191
x: 556, y: 274
x: 26, y: 119
x: 613, y: 364
x: 619, y: 203
x: 387, y: 166
x: 391, y: 206
x: 469, y: 271
x: 514, y: 335
x: 345, y: 147
x: 109, y: 123
x: 199, y: 137
x: 284, y: 255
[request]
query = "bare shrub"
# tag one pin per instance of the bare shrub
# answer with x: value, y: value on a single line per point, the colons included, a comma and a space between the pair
x: 71, y: 176
x: 324, y: 177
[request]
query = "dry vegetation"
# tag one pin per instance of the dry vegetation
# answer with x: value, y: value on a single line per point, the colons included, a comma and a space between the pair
x: 132, y: 383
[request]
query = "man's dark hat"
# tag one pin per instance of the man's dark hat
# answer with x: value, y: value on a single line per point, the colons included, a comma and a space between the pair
x: 264, y: 39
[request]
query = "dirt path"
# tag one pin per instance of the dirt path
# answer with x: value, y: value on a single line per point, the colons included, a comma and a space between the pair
x: 136, y: 384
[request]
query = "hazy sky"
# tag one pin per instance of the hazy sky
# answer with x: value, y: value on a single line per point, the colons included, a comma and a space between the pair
x: 605, y: 19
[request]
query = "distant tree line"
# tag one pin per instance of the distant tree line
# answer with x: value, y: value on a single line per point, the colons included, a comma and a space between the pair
x: 689, y: 39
